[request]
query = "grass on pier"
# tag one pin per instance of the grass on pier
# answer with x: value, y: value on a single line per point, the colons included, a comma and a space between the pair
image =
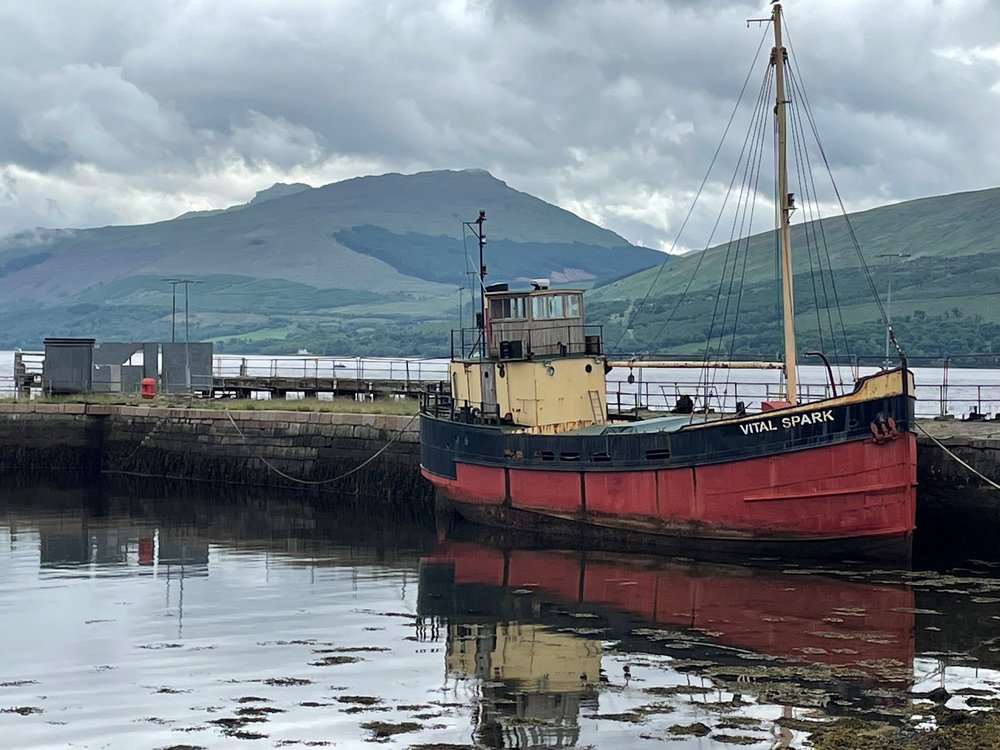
x: 339, y: 405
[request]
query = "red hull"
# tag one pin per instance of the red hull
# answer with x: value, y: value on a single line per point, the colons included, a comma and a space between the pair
x: 849, y: 490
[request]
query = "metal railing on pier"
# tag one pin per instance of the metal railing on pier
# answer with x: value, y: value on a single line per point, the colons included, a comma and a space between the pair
x: 355, y: 368
x: 250, y: 376
x: 943, y: 388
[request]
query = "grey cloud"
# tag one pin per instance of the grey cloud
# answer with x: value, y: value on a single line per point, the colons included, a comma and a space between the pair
x: 90, y: 113
x: 611, y: 108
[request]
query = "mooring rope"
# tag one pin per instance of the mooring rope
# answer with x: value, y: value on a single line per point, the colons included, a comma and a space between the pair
x: 337, y: 478
x: 943, y: 447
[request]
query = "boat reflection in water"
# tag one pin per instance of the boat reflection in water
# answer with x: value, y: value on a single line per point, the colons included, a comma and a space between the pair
x: 555, y: 636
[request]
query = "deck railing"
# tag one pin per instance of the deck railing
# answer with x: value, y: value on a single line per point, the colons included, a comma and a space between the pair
x: 512, y: 342
x: 943, y: 390
x: 932, y: 400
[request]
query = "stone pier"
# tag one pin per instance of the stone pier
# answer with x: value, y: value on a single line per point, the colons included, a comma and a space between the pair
x: 315, y: 451
x: 320, y: 452
x: 949, y: 489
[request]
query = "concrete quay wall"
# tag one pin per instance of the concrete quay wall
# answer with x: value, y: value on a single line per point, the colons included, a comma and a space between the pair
x: 305, y: 450
x: 945, y: 484
x: 288, y: 449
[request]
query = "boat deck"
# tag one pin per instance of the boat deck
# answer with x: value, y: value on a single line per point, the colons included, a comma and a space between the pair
x: 670, y: 423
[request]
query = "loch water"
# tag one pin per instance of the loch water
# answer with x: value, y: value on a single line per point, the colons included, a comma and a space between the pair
x: 137, y: 617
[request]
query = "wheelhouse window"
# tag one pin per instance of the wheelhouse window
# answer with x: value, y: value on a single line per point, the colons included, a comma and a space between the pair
x: 507, y: 308
x: 555, y: 306
x: 572, y: 305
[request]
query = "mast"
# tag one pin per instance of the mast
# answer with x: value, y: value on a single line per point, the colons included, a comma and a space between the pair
x: 482, y: 280
x: 785, y: 208
x: 476, y: 227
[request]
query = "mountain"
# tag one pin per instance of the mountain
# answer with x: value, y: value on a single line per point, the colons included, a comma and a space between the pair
x: 942, y: 255
x: 277, y: 190
x: 374, y: 265
x: 300, y: 266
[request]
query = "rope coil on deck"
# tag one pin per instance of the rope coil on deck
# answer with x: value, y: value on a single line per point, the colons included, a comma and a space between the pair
x: 337, y: 478
x: 941, y: 445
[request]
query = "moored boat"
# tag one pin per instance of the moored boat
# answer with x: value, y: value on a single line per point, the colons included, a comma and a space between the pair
x: 523, y: 437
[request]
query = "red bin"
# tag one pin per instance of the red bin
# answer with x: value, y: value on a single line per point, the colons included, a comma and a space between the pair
x: 147, y: 387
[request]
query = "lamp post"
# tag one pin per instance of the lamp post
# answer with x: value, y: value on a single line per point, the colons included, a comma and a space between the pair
x: 173, y: 337
x: 173, y: 308
x: 888, y: 299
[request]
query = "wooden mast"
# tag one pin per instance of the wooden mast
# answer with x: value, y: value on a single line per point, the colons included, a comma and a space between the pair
x: 785, y: 208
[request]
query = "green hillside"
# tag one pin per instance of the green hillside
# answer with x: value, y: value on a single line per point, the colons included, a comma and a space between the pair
x: 945, y: 274
x: 299, y: 267
x: 381, y: 265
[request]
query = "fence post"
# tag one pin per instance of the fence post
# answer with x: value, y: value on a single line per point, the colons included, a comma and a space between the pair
x: 944, y: 389
x: 20, y: 377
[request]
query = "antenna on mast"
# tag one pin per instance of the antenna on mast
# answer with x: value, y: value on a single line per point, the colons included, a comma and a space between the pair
x: 477, y: 229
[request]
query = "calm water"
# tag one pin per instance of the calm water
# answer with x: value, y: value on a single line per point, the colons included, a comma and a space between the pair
x: 133, y: 621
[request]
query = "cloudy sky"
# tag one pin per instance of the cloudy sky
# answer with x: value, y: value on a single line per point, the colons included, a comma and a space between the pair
x: 115, y: 111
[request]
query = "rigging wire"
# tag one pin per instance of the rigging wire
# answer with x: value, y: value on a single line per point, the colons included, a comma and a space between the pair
x: 740, y: 227
x: 821, y: 227
x: 812, y: 251
x: 761, y: 94
x: 746, y: 231
x: 816, y: 228
x: 850, y: 227
x: 687, y: 217
x: 746, y: 227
